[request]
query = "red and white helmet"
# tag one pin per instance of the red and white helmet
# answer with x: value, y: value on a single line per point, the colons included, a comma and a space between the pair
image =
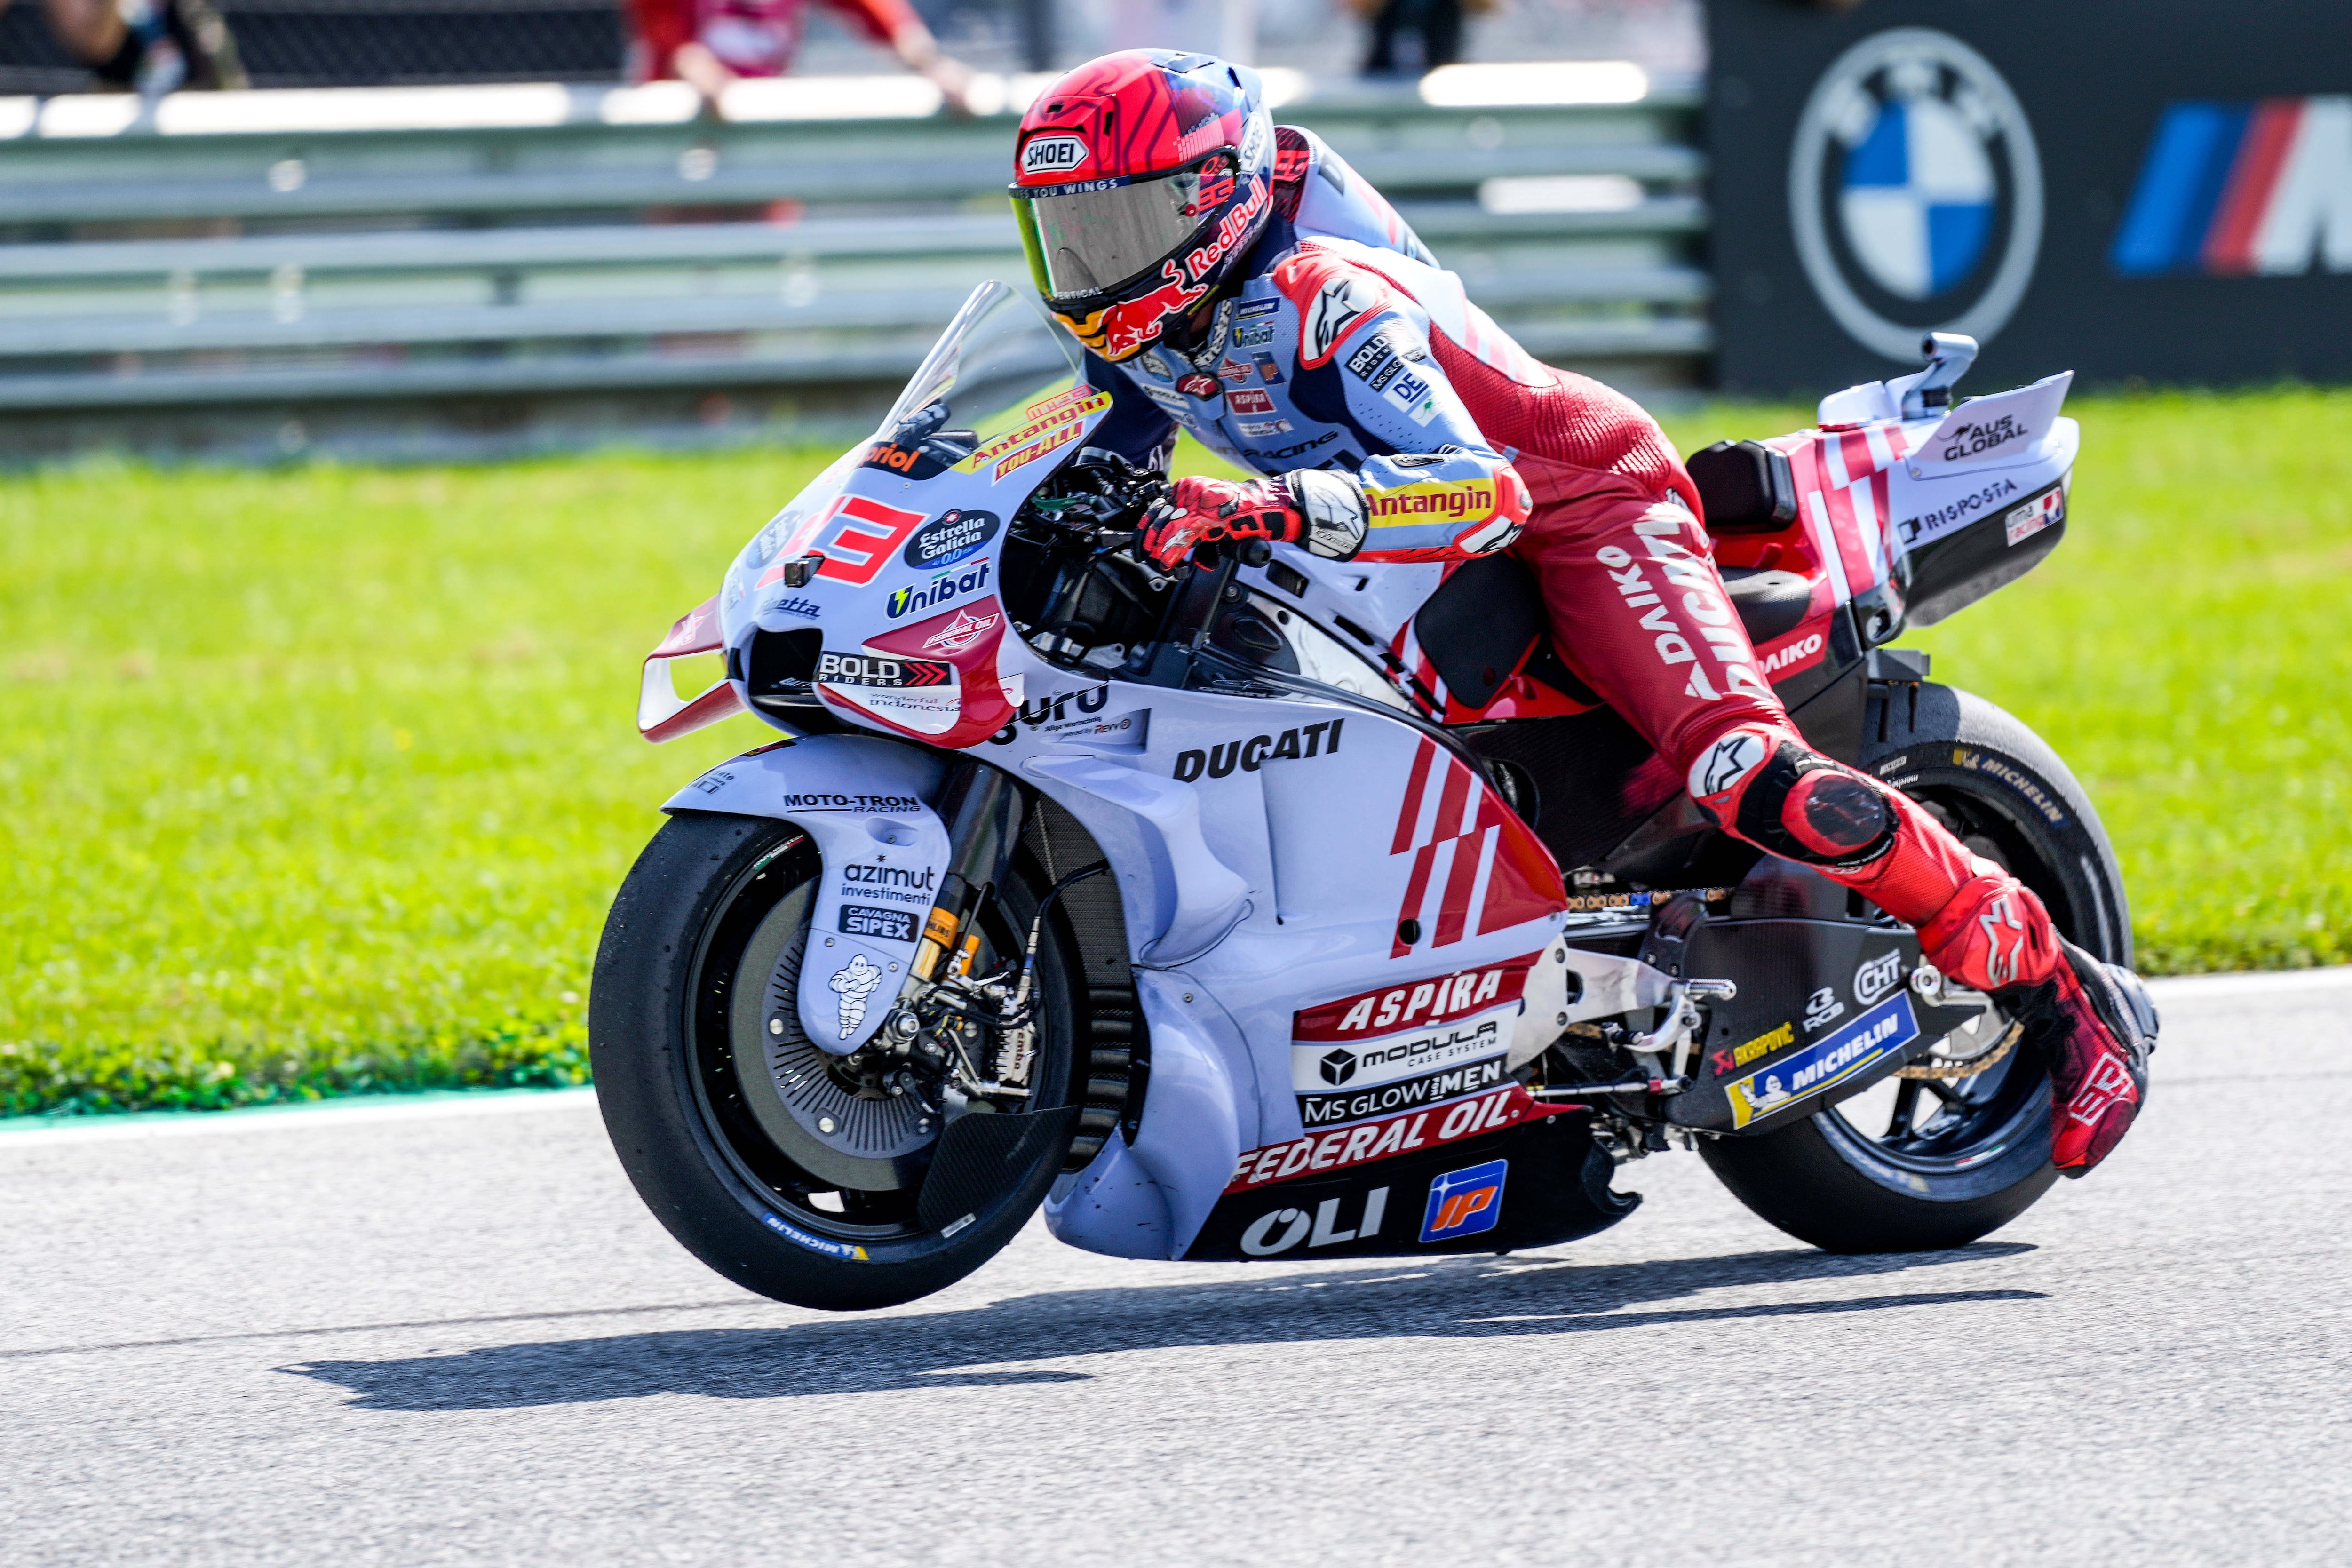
x: 1141, y: 179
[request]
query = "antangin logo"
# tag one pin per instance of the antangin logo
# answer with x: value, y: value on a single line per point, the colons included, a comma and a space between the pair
x: 1443, y: 497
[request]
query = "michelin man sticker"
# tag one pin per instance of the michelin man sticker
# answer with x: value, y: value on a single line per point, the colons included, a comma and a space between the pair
x: 1915, y: 192
x: 854, y: 982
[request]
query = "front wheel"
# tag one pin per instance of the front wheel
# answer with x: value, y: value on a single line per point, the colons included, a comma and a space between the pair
x: 788, y: 1169
x: 1947, y: 1154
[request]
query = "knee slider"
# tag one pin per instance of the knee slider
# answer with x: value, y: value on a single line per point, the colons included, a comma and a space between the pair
x: 1785, y: 797
x: 1842, y: 819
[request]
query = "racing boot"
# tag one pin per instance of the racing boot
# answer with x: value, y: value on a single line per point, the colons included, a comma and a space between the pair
x: 2091, y: 1021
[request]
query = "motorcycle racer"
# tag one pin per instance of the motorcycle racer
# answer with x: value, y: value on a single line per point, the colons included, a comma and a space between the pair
x: 1240, y: 281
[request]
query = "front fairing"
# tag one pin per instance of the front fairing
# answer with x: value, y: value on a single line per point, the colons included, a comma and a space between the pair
x: 897, y: 546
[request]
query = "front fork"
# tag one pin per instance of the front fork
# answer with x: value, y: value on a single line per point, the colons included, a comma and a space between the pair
x: 941, y: 1016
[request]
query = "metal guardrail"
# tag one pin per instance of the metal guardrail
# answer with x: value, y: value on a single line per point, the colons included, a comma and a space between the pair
x: 291, y: 270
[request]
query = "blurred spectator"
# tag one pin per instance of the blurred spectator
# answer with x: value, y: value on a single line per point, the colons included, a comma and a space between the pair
x: 152, y: 45
x: 710, y: 43
x: 1226, y: 28
x: 1430, y: 30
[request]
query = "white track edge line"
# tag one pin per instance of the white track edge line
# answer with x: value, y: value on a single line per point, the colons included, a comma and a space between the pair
x: 297, y: 1118
x: 353, y: 1113
x: 2268, y: 982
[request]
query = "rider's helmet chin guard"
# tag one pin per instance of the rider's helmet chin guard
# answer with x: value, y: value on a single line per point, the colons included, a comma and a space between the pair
x: 1141, y: 179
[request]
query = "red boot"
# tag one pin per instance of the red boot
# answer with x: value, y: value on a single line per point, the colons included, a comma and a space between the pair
x: 2091, y: 1021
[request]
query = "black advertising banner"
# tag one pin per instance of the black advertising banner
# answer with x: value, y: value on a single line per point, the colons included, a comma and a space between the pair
x: 2122, y: 188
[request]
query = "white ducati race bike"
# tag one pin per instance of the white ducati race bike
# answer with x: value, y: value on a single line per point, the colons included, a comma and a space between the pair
x: 1274, y: 907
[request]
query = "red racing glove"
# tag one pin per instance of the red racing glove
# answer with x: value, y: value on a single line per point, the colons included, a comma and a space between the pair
x: 1196, y: 512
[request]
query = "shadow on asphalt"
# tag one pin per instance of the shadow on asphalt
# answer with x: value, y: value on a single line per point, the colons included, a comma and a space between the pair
x: 986, y: 1346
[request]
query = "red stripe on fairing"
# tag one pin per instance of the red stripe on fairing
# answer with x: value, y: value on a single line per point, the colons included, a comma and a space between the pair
x: 1416, y: 888
x: 1863, y: 466
x: 1805, y: 468
x: 1454, y: 913
x: 1839, y: 502
x: 1881, y: 496
x: 1449, y: 804
x: 1524, y: 882
x: 2229, y: 243
x: 1409, y: 815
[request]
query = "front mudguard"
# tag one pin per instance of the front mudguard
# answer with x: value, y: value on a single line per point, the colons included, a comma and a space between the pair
x: 867, y: 805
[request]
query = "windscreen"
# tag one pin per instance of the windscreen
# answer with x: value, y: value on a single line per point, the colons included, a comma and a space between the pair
x: 999, y: 355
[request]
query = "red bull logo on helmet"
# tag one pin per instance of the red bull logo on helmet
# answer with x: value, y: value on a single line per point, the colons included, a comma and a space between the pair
x: 1128, y: 328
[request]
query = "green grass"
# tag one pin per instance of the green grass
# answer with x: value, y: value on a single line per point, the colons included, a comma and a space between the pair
x: 318, y: 780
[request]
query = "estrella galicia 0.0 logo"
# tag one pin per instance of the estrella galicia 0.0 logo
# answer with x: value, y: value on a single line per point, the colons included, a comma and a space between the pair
x: 1915, y: 192
x: 1464, y: 1202
x: 956, y: 534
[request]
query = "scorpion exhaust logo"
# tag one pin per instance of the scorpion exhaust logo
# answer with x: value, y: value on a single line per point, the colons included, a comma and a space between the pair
x: 853, y: 983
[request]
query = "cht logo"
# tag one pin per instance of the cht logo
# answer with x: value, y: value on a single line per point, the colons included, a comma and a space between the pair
x: 1053, y: 154
x: 1915, y: 192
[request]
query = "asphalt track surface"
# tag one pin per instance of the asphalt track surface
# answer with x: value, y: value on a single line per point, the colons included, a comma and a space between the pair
x: 449, y: 1334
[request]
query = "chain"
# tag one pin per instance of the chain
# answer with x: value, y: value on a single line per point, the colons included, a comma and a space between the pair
x: 1968, y: 1067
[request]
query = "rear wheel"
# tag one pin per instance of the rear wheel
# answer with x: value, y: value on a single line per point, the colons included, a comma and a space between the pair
x: 781, y: 1166
x: 1960, y: 1147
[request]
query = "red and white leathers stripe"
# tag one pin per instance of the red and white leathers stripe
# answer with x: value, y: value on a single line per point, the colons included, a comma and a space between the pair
x: 1475, y: 865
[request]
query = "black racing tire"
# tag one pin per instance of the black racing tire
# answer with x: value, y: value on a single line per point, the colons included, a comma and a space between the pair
x: 663, y: 1048
x: 1978, y: 1163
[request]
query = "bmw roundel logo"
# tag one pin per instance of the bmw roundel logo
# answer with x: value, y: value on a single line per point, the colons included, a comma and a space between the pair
x: 1914, y: 190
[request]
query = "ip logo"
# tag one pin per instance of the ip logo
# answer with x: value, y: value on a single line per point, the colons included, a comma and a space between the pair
x: 1464, y: 1202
